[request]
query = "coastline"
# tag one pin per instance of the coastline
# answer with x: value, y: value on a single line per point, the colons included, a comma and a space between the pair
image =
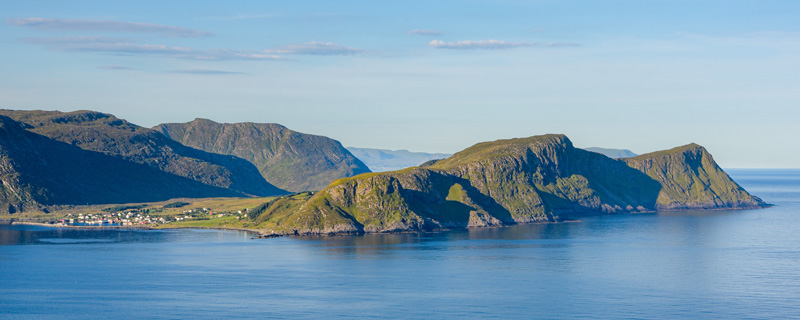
x: 256, y: 233
x: 260, y: 234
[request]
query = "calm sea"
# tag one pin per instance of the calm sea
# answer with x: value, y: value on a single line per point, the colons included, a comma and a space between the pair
x: 717, y: 264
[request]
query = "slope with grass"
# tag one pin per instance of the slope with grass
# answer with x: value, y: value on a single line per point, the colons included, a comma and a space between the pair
x: 691, y: 179
x: 87, y: 157
x: 288, y: 159
x: 504, y: 182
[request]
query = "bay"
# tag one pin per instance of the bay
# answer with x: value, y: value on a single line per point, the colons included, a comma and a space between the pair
x: 729, y: 264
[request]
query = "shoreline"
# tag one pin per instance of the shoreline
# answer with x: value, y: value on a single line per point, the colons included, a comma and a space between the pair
x: 255, y: 233
x: 262, y: 235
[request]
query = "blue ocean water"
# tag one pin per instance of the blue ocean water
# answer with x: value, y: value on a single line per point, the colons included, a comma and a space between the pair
x: 714, y: 264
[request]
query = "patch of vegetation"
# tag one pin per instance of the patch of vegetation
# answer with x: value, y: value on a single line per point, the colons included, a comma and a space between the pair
x: 176, y: 204
x: 124, y: 208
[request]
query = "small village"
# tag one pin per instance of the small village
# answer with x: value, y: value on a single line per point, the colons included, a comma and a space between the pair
x: 142, y: 217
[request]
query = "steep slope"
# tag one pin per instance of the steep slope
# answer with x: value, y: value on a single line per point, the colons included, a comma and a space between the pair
x: 691, y: 179
x: 379, y: 160
x: 290, y: 160
x: 612, y: 153
x: 36, y: 171
x: 106, y: 134
x: 536, y: 179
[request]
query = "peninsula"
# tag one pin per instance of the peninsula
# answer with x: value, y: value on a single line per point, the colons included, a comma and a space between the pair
x: 506, y: 182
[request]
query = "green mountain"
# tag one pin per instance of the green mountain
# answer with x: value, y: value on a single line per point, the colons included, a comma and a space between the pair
x: 691, y: 179
x: 536, y: 179
x: 612, y: 153
x: 390, y: 160
x: 87, y: 157
x: 36, y: 171
x: 288, y: 159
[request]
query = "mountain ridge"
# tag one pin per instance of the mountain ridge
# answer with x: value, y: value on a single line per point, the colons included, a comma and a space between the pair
x: 110, y: 150
x: 524, y: 180
x: 286, y: 158
x: 37, y: 171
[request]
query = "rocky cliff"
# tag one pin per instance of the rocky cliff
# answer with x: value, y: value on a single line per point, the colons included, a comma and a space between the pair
x: 691, y: 179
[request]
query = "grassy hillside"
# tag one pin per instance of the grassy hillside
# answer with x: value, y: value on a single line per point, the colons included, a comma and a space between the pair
x: 288, y: 159
x: 104, y: 133
x: 536, y: 179
x: 691, y: 179
x: 86, y: 157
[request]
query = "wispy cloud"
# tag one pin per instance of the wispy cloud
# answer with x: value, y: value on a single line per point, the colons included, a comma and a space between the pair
x: 123, y: 47
x: 247, y: 16
x: 206, y: 72
x: 315, y: 48
x: 425, y: 32
x: 494, y: 44
x: 105, y: 25
x: 115, y: 67
x: 103, y: 44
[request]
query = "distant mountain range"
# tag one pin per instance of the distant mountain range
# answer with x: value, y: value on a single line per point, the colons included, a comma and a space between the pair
x: 504, y: 182
x: 291, y: 160
x: 389, y: 160
x: 612, y: 153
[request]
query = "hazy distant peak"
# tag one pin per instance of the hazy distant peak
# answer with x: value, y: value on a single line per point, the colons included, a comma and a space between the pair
x: 389, y: 160
x: 612, y: 153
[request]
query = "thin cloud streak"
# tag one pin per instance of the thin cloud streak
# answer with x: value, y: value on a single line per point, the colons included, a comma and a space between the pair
x: 105, y: 25
x: 207, y: 72
x: 247, y: 17
x: 494, y: 44
x: 123, y: 47
x: 316, y: 48
x: 425, y: 32
x: 115, y: 67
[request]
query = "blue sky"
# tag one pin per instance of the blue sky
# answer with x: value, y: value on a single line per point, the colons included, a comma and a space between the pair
x: 434, y: 76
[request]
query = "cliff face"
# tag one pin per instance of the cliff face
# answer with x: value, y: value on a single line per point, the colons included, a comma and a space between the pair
x: 504, y: 182
x: 691, y: 179
x: 290, y: 160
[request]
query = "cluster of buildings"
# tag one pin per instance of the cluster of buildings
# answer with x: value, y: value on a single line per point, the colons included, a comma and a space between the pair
x: 115, y: 218
x: 136, y: 217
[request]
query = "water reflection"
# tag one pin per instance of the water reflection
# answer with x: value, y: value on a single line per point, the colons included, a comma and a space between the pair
x: 27, y: 235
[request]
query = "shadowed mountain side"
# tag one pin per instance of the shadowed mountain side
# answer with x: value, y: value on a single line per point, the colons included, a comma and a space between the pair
x: 37, y: 170
x: 104, y: 133
x: 288, y: 159
x: 691, y: 179
x: 536, y: 179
